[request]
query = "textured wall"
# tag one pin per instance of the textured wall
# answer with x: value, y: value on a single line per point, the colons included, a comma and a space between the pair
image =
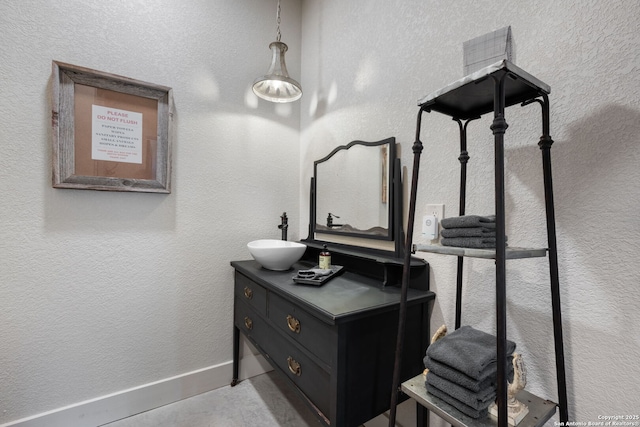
x: 100, y: 291
x: 366, y: 63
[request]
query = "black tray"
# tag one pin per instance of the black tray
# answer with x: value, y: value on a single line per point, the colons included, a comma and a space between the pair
x: 335, y: 271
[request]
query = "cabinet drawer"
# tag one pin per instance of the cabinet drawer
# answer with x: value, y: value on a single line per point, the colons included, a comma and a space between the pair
x: 307, y: 376
x: 315, y: 335
x: 248, y: 321
x: 251, y: 293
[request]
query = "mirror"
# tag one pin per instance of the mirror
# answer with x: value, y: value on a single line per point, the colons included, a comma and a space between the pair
x: 354, y: 190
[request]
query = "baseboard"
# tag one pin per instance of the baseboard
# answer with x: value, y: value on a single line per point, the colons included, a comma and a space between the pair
x: 115, y: 406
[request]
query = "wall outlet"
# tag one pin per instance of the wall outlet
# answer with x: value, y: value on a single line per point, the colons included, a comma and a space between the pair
x: 437, y: 210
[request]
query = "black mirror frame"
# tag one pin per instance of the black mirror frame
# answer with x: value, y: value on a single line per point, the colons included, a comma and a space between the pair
x: 391, y: 143
x: 396, y: 229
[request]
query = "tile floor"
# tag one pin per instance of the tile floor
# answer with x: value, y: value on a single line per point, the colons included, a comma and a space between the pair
x: 265, y: 400
x: 261, y: 401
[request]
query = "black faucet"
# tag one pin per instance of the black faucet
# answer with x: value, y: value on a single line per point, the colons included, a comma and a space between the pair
x: 284, y: 225
x: 330, y: 220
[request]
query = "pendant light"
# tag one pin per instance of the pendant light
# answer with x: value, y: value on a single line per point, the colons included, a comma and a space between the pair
x: 276, y: 85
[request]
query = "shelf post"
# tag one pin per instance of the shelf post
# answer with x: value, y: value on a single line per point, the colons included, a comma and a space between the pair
x: 406, y: 272
x: 545, y: 145
x: 499, y: 126
x: 464, y: 159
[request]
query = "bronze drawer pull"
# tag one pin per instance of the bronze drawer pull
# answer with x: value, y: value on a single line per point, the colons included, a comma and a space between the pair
x: 293, y: 324
x: 294, y: 366
x: 248, y: 323
x: 248, y: 293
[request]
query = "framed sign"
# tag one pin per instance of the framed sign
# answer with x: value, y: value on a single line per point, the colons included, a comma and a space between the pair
x: 110, y: 132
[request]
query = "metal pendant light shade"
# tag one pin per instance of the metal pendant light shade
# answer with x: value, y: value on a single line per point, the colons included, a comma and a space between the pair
x: 276, y: 85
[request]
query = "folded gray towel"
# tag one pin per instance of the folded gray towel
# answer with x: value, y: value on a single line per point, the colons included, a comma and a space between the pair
x: 469, y: 232
x: 469, y: 221
x: 467, y: 350
x: 486, y: 379
x: 478, y: 400
x: 467, y: 410
x: 469, y: 242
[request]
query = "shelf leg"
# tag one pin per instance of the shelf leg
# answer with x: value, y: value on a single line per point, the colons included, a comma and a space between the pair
x: 406, y: 272
x: 459, y: 291
x: 499, y: 126
x: 464, y: 159
x: 545, y: 145
x: 422, y: 416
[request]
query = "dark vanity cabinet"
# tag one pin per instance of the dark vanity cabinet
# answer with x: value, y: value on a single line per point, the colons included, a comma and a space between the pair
x: 336, y: 342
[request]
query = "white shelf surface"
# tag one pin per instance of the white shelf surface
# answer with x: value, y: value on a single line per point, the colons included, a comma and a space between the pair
x: 540, y: 410
x: 510, y: 253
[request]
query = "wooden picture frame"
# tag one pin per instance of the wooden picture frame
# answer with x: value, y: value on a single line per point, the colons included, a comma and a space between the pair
x: 110, y: 132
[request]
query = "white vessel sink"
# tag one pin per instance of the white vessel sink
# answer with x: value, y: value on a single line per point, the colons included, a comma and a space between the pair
x: 274, y: 254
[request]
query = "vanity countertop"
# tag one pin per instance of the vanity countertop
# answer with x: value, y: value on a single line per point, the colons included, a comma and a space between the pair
x: 342, y: 298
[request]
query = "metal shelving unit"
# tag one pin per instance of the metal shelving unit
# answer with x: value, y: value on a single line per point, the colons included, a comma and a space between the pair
x: 490, y: 89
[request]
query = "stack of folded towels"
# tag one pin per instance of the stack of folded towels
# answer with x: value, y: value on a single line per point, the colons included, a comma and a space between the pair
x: 469, y: 231
x: 463, y: 370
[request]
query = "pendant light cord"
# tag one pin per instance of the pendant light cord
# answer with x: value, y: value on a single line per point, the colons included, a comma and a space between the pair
x: 278, y: 35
